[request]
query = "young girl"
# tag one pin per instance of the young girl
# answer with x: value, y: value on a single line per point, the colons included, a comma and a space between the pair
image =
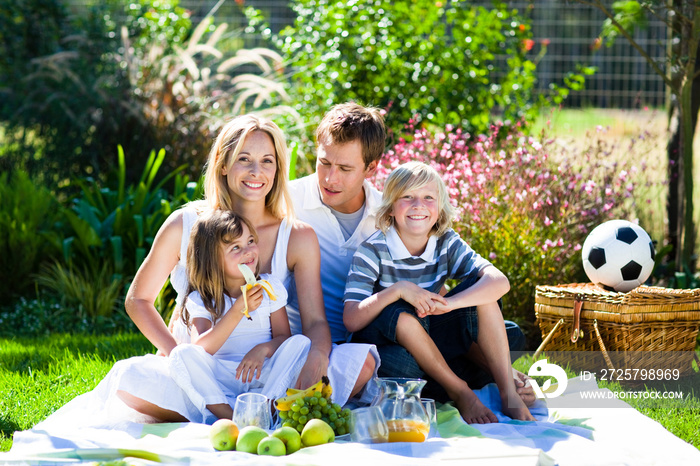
x: 228, y: 354
x: 393, y: 295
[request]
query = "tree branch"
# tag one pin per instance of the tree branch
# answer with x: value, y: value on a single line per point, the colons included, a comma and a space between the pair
x: 630, y: 39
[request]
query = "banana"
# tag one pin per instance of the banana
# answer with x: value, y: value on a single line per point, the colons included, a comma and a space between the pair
x: 250, y: 282
x: 285, y: 403
x: 327, y: 390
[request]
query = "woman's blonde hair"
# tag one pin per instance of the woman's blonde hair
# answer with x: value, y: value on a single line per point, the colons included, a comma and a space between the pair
x: 414, y: 175
x: 205, y: 258
x: 226, y: 148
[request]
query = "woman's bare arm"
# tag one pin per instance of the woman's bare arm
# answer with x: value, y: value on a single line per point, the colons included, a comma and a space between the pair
x: 149, y: 280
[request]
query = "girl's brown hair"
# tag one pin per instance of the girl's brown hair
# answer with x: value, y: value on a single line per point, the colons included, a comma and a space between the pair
x: 205, y: 266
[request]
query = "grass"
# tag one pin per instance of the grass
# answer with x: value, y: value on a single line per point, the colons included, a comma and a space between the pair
x: 39, y: 375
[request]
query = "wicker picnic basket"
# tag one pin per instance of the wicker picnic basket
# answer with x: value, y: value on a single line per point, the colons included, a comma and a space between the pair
x: 646, y: 328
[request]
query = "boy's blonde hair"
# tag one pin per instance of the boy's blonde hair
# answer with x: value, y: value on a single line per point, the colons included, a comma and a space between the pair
x: 227, y: 146
x: 205, y: 259
x: 414, y: 175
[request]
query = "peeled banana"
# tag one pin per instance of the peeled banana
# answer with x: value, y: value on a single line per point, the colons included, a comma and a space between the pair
x: 285, y: 403
x: 250, y: 282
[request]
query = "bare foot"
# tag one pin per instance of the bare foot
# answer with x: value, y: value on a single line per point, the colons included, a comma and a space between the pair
x: 513, y: 406
x: 473, y: 410
x: 524, y: 389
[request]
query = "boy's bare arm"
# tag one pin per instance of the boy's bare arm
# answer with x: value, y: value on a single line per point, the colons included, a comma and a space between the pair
x: 490, y: 287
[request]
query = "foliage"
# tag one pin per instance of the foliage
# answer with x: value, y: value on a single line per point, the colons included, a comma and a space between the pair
x: 28, y: 213
x: 680, y: 71
x: 186, y: 91
x: 525, y: 203
x: 108, y: 233
x: 449, y: 62
x: 108, y: 82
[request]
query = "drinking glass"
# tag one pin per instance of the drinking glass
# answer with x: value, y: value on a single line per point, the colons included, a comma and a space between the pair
x: 252, y: 409
x: 429, y: 406
x: 368, y: 425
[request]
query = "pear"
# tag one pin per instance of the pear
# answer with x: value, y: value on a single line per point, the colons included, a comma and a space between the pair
x: 317, y: 432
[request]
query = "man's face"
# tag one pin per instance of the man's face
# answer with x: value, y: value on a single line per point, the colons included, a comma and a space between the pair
x: 341, y: 172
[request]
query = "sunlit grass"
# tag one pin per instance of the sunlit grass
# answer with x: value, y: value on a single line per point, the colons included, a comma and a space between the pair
x: 39, y: 375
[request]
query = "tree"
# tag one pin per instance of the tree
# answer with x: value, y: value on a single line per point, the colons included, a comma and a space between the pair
x: 682, y: 18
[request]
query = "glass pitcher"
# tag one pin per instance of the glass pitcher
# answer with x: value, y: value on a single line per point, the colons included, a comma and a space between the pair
x: 399, y: 400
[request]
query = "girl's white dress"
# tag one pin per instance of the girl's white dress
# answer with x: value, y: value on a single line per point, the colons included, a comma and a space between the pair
x: 346, y: 361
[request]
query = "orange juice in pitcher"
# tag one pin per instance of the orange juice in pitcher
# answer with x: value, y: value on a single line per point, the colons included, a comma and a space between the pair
x: 407, y: 430
x: 399, y: 400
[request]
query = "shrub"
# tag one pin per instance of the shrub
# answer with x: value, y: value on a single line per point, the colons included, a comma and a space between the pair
x: 108, y: 233
x: 139, y: 75
x: 450, y: 62
x: 28, y: 236
x: 524, y: 202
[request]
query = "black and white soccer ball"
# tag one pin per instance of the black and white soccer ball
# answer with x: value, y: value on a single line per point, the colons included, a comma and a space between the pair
x: 618, y: 255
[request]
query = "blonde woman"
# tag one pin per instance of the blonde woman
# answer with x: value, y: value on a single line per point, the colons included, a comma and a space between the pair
x: 246, y: 172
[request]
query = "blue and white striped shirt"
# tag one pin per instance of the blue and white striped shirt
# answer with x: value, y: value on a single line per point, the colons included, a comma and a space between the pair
x: 383, y: 260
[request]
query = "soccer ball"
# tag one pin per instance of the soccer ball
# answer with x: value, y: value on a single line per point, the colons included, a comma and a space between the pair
x: 618, y: 255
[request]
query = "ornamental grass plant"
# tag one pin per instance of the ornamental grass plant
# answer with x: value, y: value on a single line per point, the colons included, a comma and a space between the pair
x: 527, y: 203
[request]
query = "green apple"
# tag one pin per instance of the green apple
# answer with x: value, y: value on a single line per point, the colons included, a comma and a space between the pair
x: 317, y: 432
x: 291, y: 438
x: 271, y: 446
x: 249, y: 438
x: 223, y: 434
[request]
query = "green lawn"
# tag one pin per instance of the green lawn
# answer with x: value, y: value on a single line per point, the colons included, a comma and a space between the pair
x: 39, y: 375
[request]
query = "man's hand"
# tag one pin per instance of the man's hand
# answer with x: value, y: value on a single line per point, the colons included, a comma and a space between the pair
x: 316, y: 366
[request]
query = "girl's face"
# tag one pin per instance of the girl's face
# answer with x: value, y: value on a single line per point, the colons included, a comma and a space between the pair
x: 251, y: 175
x: 416, y: 211
x: 242, y: 250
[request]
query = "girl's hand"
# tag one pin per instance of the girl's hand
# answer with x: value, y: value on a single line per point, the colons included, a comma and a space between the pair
x: 254, y: 297
x: 424, y: 301
x: 251, y: 365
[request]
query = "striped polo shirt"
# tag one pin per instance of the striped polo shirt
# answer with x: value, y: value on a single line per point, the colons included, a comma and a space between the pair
x: 383, y: 260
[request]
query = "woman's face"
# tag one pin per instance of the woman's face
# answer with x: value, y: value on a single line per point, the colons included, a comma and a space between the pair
x: 251, y: 174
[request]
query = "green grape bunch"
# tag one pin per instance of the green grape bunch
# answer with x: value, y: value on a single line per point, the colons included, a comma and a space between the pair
x: 316, y: 407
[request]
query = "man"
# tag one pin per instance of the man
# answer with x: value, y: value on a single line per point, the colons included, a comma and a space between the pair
x: 339, y: 203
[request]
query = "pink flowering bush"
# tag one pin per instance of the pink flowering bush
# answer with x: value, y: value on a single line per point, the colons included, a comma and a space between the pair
x: 523, y: 202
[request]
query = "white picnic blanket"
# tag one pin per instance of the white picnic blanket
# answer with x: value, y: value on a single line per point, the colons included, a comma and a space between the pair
x: 566, y: 433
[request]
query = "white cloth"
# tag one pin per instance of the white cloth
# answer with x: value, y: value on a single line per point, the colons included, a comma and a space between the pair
x: 336, y: 252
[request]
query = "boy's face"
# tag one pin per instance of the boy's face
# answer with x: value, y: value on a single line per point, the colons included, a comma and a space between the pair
x: 341, y: 173
x: 416, y: 211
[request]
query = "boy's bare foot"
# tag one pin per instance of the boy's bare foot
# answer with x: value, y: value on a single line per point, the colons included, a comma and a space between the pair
x: 524, y: 389
x: 473, y: 410
x: 514, y: 407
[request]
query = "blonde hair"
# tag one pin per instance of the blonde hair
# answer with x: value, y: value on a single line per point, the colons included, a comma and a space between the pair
x: 205, y: 259
x: 414, y: 175
x: 350, y: 122
x: 228, y: 145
